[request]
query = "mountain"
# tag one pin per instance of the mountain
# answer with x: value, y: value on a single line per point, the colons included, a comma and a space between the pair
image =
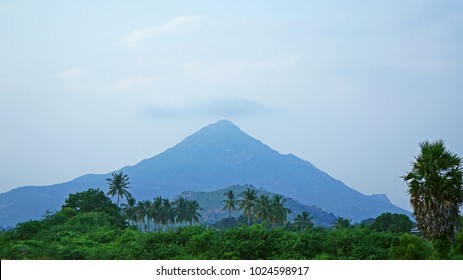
x: 217, y: 156
x: 212, y: 204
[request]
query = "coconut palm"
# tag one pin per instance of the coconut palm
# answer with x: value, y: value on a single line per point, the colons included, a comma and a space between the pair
x: 181, y: 210
x: 167, y: 214
x: 263, y: 208
x: 118, y: 185
x: 436, y: 192
x: 279, y: 211
x: 141, y: 211
x: 156, y: 211
x: 231, y: 203
x: 248, y: 202
x: 192, y: 214
x: 130, y: 210
x: 147, y: 205
x: 303, y: 220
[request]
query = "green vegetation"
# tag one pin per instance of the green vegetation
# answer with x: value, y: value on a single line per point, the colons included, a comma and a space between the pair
x: 90, y: 226
x: 436, y: 193
x: 303, y: 221
x: 398, y: 223
x: 118, y: 186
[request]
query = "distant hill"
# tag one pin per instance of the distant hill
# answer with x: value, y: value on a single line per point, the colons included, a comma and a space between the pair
x: 212, y: 204
x: 217, y: 156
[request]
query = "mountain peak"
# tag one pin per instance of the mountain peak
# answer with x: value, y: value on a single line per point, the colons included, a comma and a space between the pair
x: 223, y: 131
x: 224, y: 123
x: 221, y: 126
x: 218, y: 155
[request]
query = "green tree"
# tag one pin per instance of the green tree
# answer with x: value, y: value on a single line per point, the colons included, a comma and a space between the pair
x: 342, y: 223
x: 248, y: 202
x: 181, y: 210
x: 141, y: 212
x: 231, y: 202
x: 156, y: 211
x: 263, y: 208
x: 94, y: 200
x: 118, y: 185
x: 193, y: 209
x: 398, y: 223
x: 130, y: 210
x: 280, y: 212
x: 303, y: 220
x: 147, y: 205
x: 167, y: 213
x: 436, y: 193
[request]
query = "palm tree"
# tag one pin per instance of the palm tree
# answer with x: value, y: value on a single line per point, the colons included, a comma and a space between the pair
x: 192, y: 211
x: 147, y: 205
x: 181, y: 210
x: 140, y: 213
x: 129, y: 209
x: 263, y: 208
x: 280, y: 212
x: 436, y: 193
x: 156, y: 211
x: 248, y: 202
x: 167, y: 213
x: 118, y: 185
x: 303, y: 220
x: 230, y: 203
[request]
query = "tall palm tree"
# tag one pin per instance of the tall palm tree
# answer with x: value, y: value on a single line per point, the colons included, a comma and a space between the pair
x: 231, y: 203
x: 156, y: 211
x: 303, y: 220
x: 181, y: 210
x: 140, y: 214
x: 192, y: 211
x: 248, y: 202
x: 263, y: 208
x: 148, y: 211
x: 436, y: 192
x: 167, y: 213
x: 280, y: 212
x: 130, y: 210
x: 118, y: 185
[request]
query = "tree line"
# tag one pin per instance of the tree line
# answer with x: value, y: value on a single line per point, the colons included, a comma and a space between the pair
x: 161, y: 212
x: 91, y: 226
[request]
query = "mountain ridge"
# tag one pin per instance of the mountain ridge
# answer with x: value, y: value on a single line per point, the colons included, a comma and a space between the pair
x: 216, y: 156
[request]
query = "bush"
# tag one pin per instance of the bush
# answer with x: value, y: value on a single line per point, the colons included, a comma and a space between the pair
x: 409, y: 247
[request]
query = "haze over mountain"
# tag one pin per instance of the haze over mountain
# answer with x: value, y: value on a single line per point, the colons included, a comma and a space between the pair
x: 217, y: 156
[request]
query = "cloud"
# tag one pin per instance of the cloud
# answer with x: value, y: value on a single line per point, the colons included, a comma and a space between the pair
x: 135, y: 82
x: 70, y: 75
x: 218, y: 108
x: 175, y: 25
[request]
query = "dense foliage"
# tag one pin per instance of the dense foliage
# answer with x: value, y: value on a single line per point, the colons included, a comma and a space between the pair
x: 79, y: 231
x: 90, y: 226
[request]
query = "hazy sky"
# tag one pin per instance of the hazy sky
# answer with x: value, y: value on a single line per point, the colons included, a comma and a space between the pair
x: 351, y: 86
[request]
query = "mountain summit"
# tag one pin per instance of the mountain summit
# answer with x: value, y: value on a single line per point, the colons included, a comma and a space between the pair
x: 217, y: 156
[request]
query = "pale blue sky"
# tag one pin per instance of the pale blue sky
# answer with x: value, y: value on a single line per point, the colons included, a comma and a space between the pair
x: 351, y: 86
